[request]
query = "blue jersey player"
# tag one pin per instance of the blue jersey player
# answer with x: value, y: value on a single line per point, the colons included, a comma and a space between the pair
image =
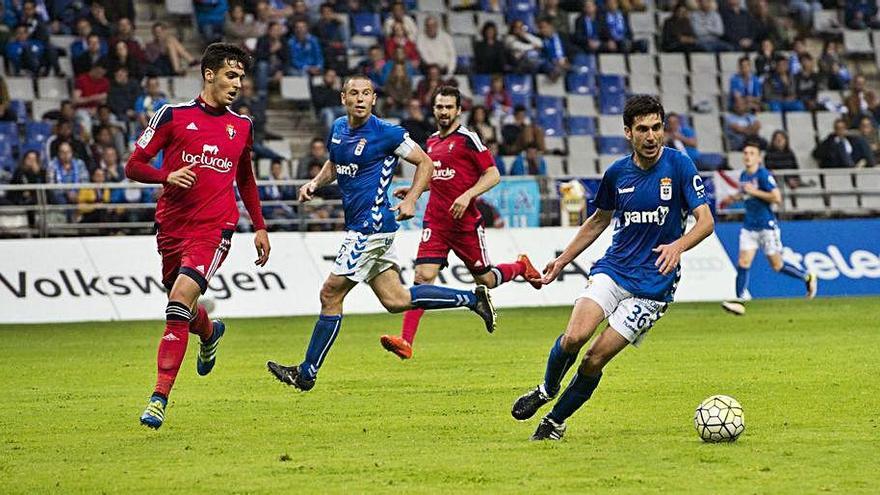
x: 760, y: 230
x: 364, y: 151
x: 646, y: 197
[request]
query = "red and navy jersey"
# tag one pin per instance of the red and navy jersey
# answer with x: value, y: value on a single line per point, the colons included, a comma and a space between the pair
x: 460, y: 158
x: 218, y: 143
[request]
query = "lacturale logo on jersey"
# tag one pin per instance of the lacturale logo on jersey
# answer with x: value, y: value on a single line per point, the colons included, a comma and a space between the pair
x: 351, y: 169
x: 208, y: 159
x: 441, y: 173
x: 657, y: 216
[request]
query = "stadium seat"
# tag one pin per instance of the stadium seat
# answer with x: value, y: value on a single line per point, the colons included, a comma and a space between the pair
x: 366, y: 24
x: 462, y: 23
x: 581, y: 126
x: 295, y: 88
x: 7, y: 161
x: 521, y: 99
x: 37, y: 132
x: 19, y: 108
x: 825, y: 123
x: 552, y: 124
x: 464, y: 45
x: 519, y: 84
x: 581, y: 146
x: 550, y: 88
x: 528, y: 18
x: 869, y: 186
x: 673, y: 83
x: 582, y: 164
x: 555, y: 165
x: 843, y: 201
x: 41, y: 107
x: 770, y: 123
x: 830, y: 96
x: 605, y: 162
x: 642, y: 63
x: 581, y: 84
x: 550, y: 105
x: 179, y: 7
x: 612, y: 63
x: 609, y: 125
x: 838, y: 183
x: 21, y: 87
x: 431, y: 6
x: 705, y: 83
x: 642, y: 22
x: 800, y: 130
x: 32, y: 146
x: 554, y: 144
x: 464, y: 86
x: 826, y: 21
x: 673, y: 63
x: 710, y: 138
x: 856, y: 42
x: 612, y: 145
x: 729, y: 62
x: 703, y: 63
x: 494, y: 17
x: 481, y: 84
x: 583, y: 63
x: 611, y: 103
x: 674, y: 102
x: 186, y: 87
x: 581, y: 105
x: 643, y: 82
x: 612, y: 83
x: 805, y: 159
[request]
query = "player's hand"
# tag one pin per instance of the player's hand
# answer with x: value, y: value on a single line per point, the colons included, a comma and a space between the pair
x: 401, y: 192
x: 261, y: 241
x: 406, y: 209
x: 670, y: 256
x: 552, y: 270
x: 460, y: 205
x: 183, y: 177
x: 749, y: 188
x: 306, y: 191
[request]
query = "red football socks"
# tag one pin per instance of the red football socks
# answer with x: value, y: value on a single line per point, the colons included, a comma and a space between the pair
x: 201, y: 325
x: 411, y: 324
x: 509, y: 271
x: 172, y: 348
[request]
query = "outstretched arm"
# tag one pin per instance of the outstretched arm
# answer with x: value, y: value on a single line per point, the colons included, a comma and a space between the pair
x: 586, y: 235
x: 324, y: 177
x: 489, y: 179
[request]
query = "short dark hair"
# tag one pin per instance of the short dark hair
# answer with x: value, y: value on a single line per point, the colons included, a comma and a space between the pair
x: 217, y: 54
x: 447, y: 91
x: 316, y: 139
x: 640, y: 105
x: 752, y: 142
x: 356, y: 76
x: 744, y: 58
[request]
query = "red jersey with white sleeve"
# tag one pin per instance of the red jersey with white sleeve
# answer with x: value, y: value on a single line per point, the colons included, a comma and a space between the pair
x: 218, y: 142
x: 460, y: 158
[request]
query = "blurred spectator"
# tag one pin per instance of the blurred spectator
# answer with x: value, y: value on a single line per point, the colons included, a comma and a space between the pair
x: 416, y: 123
x: 117, y: 9
x: 150, y: 101
x: 65, y: 169
x: 92, y: 55
x: 842, y: 150
x: 66, y: 13
x: 491, y: 217
x: 248, y: 97
x: 210, y: 16
x: 555, y: 62
x: 432, y: 81
x: 276, y: 192
x: 557, y: 17
x: 868, y: 130
x: 89, y: 91
x: 779, y: 90
x: 739, y: 25
x: 166, y: 54
x: 306, y: 56
x: 766, y: 26
x: 97, y: 194
x: 123, y: 94
x: 125, y: 33
x: 436, y: 47
x: 114, y: 170
x: 588, y: 29
x: 495, y: 149
x: 98, y: 19
x: 294, y: 11
x: 6, y: 113
x: 81, y: 44
x: 38, y: 31
x: 523, y: 48
x: 398, y: 14
x: 272, y: 57
x: 119, y: 57
x: 709, y: 27
x: 518, y: 132
x: 29, y: 171
x: 489, y: 54
x: 103, y: 140
x: 479, y: 123
x: 746, y: 86
x: 399, y: 58
x: 861, y: 14
x: 856, y: 102
x: 238, y: 28
x: 618, y: 34
x: 23, y: 54
x: 260, y: 149
x: 498, y: 100
x: 832, y: 67
x: 678, y: 33
x: 63, y: 133
x: 798, y: 51
x: 398, y: 39
x: 803, y: 11
x: 740, y: 125
x: 873, y: 105
x: 779, y: 155
x: 327, y: 101
x: 374, y: 64
x: 807, y: 82
x: 765, y: 61
x: 316, y: 156
x: 529, y: 162
x: 398, y: 89
x: 334, y: 38
x: 681, y: 137
x: 118, y: 128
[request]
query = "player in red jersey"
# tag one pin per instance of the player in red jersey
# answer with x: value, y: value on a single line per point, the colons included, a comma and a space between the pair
x: 463, y: 170
x: 207, y: 148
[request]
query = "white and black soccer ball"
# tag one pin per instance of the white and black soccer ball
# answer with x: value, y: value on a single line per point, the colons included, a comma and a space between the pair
x: 719, y: 419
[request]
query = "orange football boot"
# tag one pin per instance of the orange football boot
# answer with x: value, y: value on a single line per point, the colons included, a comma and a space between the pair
x: 531, y: 273
x: 395, y: 344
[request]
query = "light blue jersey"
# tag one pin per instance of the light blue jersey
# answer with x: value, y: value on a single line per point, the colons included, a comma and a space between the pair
x: 365, y: 159
x: 650, y: 208
x: 759, y: 215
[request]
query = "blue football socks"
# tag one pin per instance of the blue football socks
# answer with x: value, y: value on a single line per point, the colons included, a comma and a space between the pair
x: 323, y: 336
x: 742, y: 281
x: 793, y: 271
x: 435, y: 297
x: 558, y: 363
x: 578, y: 391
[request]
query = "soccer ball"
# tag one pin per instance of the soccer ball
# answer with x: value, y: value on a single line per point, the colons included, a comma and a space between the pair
x: 719, y: 419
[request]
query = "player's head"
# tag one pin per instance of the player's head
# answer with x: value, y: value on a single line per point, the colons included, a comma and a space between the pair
x: 447, y: 107
x: 358, y: 97
x: 751, y: 154
x: 643, y: 117
x: 224, y: 66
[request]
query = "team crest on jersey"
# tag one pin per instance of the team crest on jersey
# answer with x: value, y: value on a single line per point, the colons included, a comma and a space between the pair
x: 666, y: 189
x: 360, y: 147
x: 451, y: 145
x: 230, y: 130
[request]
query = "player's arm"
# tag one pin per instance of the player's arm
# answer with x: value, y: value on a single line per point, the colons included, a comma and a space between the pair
x: 489, y: 179
x: 413, y: 153
x: 155, y: 136
x: 324, y: 177
x: 766, y: 190
x: 586, y: 235
x: 670, y: 254
x: 250, y: 196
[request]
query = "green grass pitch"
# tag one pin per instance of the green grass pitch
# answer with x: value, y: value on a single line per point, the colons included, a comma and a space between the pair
x: 805, y: 372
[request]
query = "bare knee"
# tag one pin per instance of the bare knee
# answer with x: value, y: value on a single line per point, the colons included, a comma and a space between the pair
x: 331, y: 299
x: 487, y: 279
x: 572, y: 344
x: 422, y: 279
x: 397, y: 303
x: 593, y: 362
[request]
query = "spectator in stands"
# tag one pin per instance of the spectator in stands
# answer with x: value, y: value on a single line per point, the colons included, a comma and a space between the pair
x: 498, y: 100
x: 238, y: 28
x: 316, y: 156
x: 739, y: 25
x: 495, y: 150
x: 740, y: 125
x: 24, y: 55
x: 80, y: 45
x: 518, y: 132
x: 374, y: 64
x: 709, y: 27
x: 98, y: 194
x: 123, y: 94
x: 298, y: 9
x: 65, y: 169
x: 98, y: 19
x: 746, y: 86
x: 150, y: 101
x: 618, y: 34
x: 6, y: 113
x: 104, y: 117
x: 326, y: 99
x: 678, y: 32
x: 334, y: 38
x: 210, y: 16
x: 807, y: 82
x: 89, y: 91
x: 63, y: 133
x: 491, y: 217
x: 765, y: 61
x: 125, y: 33
x: 529, y: 162
x: 523, y: 47
x: 398, y: 39
x: 417, y: 124
x: 114, y: 171
x: 861, y: 14
x: 248, y: 97
x: 779, y: 90
x: 681, y: 137
x: 92, y: 55
x: 489, y: 53
x: 436, y: 47
x: 479, y: 123
x: 29, y: 171
x: 166, y: 54
x: 832, y: 67
x: 103, y: 140
x: 557, y: 17
x: 306, y: 56
x: 798, y: 51
x: 398, y: 14
x: 766, y: 26
x: 868, y: 130
x: 399, y: 58
x: 856, y: 102
x: 803, y: 11
x: 553, y: 55
x: 779, y: 155
x: 272, y: 57
x: 276, y: 192
x: 843, y: 150
x: 38, y: 31
x: 119, y: 57
x: 873, y: 105
x: 588, y: 29
x: 65, y: 13
x: 398, y: 90
x: 431, y: 82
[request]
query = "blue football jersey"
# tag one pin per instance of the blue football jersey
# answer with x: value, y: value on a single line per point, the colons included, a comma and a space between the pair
x: 650, y: 208
x: 759, y: 215
x: 365, y: 159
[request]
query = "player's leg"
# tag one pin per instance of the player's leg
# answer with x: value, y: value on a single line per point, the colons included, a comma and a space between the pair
x: 470, y: 247
x: 326, y: 329
x: 425, y: 273
x: 748, y: 246
x: 771, y: 243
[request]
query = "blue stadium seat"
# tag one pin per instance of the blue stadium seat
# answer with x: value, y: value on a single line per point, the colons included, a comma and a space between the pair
x: 583, y: 63
x: 521, y: 6
x: 611, y: 103
x: 37, y: 131
x: 550, y: 105
x: 9, y: 133
x: 366, y: 24
x: 463, y: 63
x: 519, y: 84
x: 612, y: 83
x: 528, y: 18
x: 520, y: 99
x: 552, y: 124
x: 480, y: 84
x: 612, y: 145
x: 582, y: 126
x: 37, y: 146
x: 7, y: 161
x: 19, y: 108
x: 581, y: 84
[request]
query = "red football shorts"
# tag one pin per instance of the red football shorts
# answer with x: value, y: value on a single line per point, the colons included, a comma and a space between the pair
x: 468, y: 245
x: 197, y: 257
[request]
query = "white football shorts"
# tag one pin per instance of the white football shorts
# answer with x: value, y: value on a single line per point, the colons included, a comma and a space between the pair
x: 769, y: 240
x: 628, y: 315
x: 361, y: 256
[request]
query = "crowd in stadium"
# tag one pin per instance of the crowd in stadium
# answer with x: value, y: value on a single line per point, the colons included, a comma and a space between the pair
x: 116, y: 77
